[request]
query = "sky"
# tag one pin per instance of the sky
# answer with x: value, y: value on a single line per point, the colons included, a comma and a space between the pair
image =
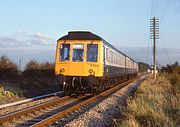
x: 29, y: 29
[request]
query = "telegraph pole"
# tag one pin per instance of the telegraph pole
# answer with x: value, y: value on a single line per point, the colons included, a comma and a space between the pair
x: 154, y: 34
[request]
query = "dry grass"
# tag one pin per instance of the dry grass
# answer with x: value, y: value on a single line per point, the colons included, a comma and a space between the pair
x: 156, y: 103
x: 8, y: 92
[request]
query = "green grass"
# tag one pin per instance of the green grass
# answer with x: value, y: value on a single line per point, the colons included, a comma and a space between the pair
x: 156, y: 103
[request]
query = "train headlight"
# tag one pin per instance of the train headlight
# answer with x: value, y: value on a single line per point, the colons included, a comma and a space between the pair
x: 90, y: 71
x: 62, y: 70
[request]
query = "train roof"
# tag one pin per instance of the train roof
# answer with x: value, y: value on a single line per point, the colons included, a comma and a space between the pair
x: 86, y: 35
x: 80, y: 35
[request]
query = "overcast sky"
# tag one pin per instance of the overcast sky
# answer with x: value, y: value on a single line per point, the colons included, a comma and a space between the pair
x: 29, y: 28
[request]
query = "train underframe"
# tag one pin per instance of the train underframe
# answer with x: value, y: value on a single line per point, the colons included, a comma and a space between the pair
x: 75, y: 85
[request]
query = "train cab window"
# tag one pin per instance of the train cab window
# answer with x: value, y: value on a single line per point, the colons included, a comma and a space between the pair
x: 64, y: 52
x: 78, y: 51
x: 92, y: 52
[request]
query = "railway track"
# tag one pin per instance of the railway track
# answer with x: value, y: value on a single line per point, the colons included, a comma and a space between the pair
x: 49, y: 112
x: 22, y: 104
x: 30, y: 100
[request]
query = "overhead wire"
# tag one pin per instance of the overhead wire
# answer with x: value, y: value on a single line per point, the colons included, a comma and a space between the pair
x: 164, y: 11
x: 157, y: 54
x: 155, y: 7
x: 154, y: 12
x: 166, y: 28
x: 147, y: 58
x: 152, y: 5
x: 156, y: 46
x: 148, y: 47
x: 172, y: 19
x: 165, y: 49
x: 149, y: 52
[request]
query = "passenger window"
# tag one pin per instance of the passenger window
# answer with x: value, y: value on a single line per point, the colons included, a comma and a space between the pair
x: 111, y: 55
x: 78, y: 52
x: 107, y: 56
x: 64, y: 52
x: 92, y: 52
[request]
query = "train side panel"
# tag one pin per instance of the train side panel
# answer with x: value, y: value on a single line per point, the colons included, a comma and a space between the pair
x: 117, y: 63
x: 114, y: 62
x: 131, y: 66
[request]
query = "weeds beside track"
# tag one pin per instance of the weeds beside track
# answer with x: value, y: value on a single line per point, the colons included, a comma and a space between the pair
x: 156, y: 103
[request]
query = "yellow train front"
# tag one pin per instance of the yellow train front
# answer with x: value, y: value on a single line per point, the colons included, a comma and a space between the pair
x: 82, y: 63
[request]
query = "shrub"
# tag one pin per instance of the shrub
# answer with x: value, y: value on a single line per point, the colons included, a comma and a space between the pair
x: 172, y: 72
x: 7, y: 63
x: 8, y: 69
x: 35, y: 69
x: 32, y: 64
x: 47, y: 65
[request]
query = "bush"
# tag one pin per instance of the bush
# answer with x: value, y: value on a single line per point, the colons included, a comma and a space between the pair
x: 174, y: 68
x: 35, y: 69
x: 7, y: 63
x: 8, y: 69
x: 143, y: 67
x: 34, y: 65
x: 47, y: 65
x: 172, y: 72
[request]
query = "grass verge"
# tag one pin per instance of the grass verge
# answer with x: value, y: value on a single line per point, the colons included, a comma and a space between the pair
x: 156, y: 103
x: 9, y: 92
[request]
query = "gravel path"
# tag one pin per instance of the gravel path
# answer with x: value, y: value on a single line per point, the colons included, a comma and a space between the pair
x: 105, y: 113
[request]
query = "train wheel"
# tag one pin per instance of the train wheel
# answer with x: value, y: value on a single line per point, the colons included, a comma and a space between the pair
x: 67, y: 89
x: 93, y: 92
x: 77, y: 87
x: 100, y: 88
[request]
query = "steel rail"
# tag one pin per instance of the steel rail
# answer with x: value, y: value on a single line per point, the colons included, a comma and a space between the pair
x: 16, y: 114
x: 29, y: 100
x: 60, y: 115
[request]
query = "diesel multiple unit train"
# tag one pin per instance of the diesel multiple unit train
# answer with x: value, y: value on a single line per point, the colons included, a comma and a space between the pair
x: 85, y: 63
